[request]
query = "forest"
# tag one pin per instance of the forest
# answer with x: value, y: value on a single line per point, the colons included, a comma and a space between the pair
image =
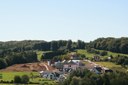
x: 18, y: 52
x: 118, y: 45
x: 13, y: 51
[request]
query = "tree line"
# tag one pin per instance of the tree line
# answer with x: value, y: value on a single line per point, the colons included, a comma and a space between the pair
x: 18, y: 58
x: 18, y: 46
x: 51, y: 55
x: 119, y: 45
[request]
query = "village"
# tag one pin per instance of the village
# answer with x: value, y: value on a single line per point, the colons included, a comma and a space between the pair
x: 63, y: 68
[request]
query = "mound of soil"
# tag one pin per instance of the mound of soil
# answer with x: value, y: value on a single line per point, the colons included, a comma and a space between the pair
x: 27, y: 67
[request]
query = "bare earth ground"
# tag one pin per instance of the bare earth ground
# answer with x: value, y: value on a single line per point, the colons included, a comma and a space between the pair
x: 28, y: 67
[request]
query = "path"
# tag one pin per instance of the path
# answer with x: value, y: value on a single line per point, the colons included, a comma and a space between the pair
x: 46, y: 67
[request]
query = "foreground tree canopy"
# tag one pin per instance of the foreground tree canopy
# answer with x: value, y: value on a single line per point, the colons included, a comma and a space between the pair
x: 85, y: 77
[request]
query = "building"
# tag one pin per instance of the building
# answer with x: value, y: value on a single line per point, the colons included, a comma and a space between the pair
x: 106, y: 70
x: 96, y: 58
x: 53, y: 75
x: 97, y: 69
x: 48, y: 75
x: 68, y: 66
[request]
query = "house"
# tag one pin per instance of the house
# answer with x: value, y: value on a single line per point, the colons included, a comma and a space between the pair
x: 109, y: 58
x: 59, y: 65
x: 68, y: 66
x: 53, y: 75
x: 61, y: 78
x: 100, y: 70
x: 96, y: 58
x: 106, y: 70
x: 48, y: 75
x: 97, y: 69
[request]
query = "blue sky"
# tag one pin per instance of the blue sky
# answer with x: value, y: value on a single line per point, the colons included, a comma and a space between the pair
x: 62, y: 19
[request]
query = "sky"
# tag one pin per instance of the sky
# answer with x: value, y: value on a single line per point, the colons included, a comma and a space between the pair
x: 49, y: 20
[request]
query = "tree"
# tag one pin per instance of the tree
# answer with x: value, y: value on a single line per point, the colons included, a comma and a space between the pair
x: 54, y: 46
x: 106, y: 79
x: 120, y: 60
x: 126, y: 62
x: 25, y: 79
x: 31, y: 75
x: 103, y: 53
x: 69, y: 45
x: 82, y: 56
x: 80, y: 44
x: 75, y: 81
x: 17, y: 79
x: 3, y: 63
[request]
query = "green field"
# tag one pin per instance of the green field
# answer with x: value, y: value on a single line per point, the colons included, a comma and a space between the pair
x: 39, y: 55
x: 105, y: 64
x: 9, y: 76
x: 84, y: 52
x: 89, y: 55
x: 112, y: 66
x: 113, y: 53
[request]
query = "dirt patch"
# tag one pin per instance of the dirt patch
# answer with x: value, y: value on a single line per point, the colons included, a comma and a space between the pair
x: 28, y: 67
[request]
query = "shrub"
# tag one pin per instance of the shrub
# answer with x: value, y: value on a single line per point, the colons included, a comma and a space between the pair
x: 25, y: 79
x: 103, y: 53
x: 17, y: 79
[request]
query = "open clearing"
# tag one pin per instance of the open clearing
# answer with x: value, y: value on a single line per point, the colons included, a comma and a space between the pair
x: 112, y: 66
x: 28, y: 67
x: 9, y: 76
x: 90, y: 55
